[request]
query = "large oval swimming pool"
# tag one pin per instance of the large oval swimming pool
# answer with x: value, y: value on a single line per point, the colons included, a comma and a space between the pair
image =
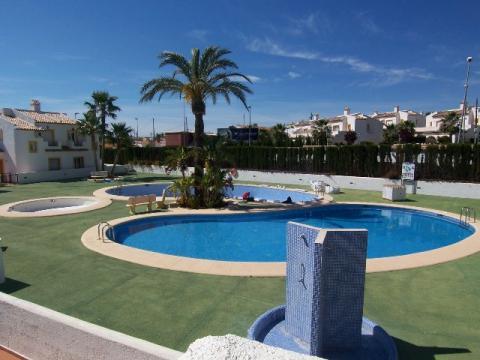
x: 261, y: 236
x: 257, y: 192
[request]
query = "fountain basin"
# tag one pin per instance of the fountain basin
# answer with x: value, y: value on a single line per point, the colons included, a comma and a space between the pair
x: 269, y: 328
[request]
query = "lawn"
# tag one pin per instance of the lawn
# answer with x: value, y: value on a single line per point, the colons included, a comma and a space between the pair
x: 432, y: 312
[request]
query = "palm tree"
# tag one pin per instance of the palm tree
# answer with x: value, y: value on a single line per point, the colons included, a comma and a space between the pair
x: 321, y: 132
x: 279, y: 135
x: 450, y: 124
x: 90, y: 125
x: 178, y: 159
x: 103, y: 106
x: 120, y: 138
x: 205, y: 76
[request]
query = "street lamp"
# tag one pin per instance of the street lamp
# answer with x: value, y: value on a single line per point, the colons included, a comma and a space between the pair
x: 249, y: 108
x: 136, y: 119
x: 75, y: 115
x: 460, y: 130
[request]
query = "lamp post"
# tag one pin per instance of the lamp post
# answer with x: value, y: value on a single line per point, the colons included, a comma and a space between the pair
x: 460, y: 130
x: 249, y: 108
x: 75, y: 115
x: 136, y: 119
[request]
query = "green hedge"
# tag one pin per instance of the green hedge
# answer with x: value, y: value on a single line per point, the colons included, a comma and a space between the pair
x: 453, y: 162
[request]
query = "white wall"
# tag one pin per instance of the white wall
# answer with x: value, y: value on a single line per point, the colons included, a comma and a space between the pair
x: 439, y: 188
x: 56, y: 175
x: 40, y: 333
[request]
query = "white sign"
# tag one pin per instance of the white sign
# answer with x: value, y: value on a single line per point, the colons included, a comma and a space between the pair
x: 408, y: 171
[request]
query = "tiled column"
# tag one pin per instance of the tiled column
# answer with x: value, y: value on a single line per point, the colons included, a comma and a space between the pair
x: 325, y: 287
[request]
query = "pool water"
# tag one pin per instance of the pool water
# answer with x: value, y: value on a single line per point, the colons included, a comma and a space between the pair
x: 261, y: 236
x: 257, y: 192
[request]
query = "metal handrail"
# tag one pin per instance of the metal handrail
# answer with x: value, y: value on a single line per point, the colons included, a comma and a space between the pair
x: 467, y: 214
x: 102, y: 230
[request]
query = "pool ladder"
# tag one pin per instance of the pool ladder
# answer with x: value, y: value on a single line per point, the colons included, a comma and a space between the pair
x: 467, y: 214
x: 102, y: 228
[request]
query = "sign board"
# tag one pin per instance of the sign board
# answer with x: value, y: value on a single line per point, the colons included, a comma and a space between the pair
x: 408, y: 171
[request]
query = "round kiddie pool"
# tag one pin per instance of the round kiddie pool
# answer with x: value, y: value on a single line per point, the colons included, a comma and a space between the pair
x: 260, y: 237
x: 258, y: 193
x: 53, y: 206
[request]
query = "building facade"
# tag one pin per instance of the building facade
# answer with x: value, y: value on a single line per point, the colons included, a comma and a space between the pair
x: 397, y: 116
x: 366, y: 127
x: 38, y: 145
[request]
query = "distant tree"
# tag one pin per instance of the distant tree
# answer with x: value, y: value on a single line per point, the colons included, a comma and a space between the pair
x: 321, y: 132
x: 450, y: 124
x: 430, y: 140
x: 264, y: 137
x: 178, y: 159
x: 350, y: 137
x: 91, y: 126
x: 103, y: 106
x: 406, y: 132
x: 390, y: 135
x: 278, y: 134
x: 120, y: 138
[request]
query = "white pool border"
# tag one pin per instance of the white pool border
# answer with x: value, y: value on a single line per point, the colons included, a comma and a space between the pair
x: 98, y: 204
x: 465, y: 247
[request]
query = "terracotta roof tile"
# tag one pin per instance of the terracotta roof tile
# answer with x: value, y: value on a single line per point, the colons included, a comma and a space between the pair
x: 19, y: 123
x: 48, y: 117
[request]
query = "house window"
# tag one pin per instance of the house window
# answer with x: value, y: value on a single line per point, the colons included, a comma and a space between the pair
x: 54, y: 164
x: 78, y: 162
x: 32, y: 146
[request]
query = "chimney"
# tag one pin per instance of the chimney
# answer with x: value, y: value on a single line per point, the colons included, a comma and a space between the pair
x: 462, y: 105
x: 35, y: 105
x: 346, y: 110
x: 396, y: 109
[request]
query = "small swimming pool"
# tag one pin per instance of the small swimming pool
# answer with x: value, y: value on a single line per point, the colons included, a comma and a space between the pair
x: 52, y: 206
x: 257, y: 192
x: 261, y: 236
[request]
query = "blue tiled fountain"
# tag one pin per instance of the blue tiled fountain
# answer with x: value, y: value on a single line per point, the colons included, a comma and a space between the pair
x: 325, y: 291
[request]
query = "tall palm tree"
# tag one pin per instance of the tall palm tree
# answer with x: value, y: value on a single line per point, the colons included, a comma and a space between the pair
x: 103, y: 106
x: 205, y: 76
x: 321, y: 132
x: 90, y: 125
x: 120, y: 138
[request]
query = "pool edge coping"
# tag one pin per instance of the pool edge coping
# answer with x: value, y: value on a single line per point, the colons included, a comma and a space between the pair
x: 468, y: 246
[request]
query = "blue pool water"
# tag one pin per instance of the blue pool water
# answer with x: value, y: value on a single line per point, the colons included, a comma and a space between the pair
x: 256, y: 192
x: 261, y: 236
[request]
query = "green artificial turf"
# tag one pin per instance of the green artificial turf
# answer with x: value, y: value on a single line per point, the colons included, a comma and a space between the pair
x: 432, y: 312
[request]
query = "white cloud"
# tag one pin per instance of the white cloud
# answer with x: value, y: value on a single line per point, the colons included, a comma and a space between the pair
x: 313, y: 23
x: 293, y: 75
x: 198, y: 34
x: 367, y: 23
x: 267, y: 46
x: 383, y: 75
x: 252, y: 78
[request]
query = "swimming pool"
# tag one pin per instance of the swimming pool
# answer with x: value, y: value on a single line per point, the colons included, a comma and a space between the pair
x: 257, y: 192
x: 260, y: 237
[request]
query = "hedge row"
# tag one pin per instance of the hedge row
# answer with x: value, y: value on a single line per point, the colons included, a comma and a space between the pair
x: 453, y: 162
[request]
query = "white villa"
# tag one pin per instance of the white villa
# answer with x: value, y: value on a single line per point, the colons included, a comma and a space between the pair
x: 366, y: 127
x: 397, y: 116
x: 39, y: 145
x: 434, y: 121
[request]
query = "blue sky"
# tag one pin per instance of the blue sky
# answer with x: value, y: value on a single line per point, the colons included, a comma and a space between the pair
x: 304, y: 56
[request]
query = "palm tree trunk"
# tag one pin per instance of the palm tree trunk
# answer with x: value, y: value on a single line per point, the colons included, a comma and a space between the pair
x: 103, y: 143
x: 93, y: 141
x: 198, y: 143
x: 115, y: 161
